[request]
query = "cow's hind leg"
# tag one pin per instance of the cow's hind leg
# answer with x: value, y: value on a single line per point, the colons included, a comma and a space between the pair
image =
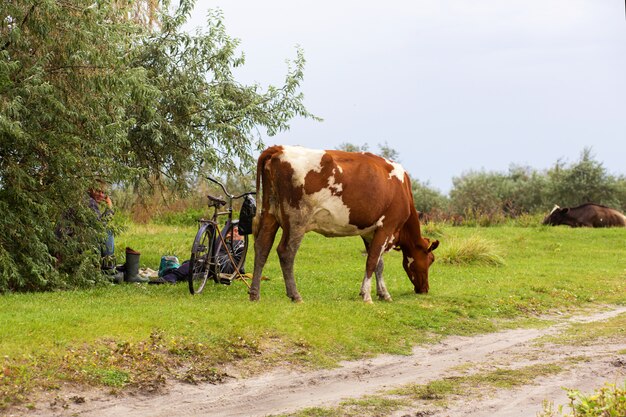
x: 287, y: 249
x: 263, y: 241
x: 366, y: 286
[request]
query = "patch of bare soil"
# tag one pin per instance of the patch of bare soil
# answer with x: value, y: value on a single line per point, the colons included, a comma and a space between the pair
x: 284, y: 391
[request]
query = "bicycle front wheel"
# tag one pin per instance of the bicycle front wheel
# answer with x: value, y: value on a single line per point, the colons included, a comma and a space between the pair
x: 202, y: 262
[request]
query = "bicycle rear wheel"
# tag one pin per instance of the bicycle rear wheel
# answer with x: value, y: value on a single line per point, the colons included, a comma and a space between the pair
x: 202, y: 262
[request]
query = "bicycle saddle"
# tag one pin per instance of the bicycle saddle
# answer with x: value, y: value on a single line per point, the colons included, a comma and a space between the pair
x: 216, y: 201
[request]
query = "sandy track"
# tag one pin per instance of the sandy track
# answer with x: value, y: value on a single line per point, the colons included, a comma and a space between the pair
x: 284, y: 391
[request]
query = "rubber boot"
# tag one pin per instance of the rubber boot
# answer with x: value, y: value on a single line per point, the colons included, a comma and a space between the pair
x: 131, y: 268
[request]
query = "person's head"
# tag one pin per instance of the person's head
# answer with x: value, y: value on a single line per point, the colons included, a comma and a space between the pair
x: 236, y: 235
x: 99, y: 191
x: 97, y: 194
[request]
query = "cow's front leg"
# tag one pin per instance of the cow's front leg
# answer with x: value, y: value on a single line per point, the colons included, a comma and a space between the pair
x: 287, y: 249
x: 374, y: 251
x: 374, y: 265
x: 366, y: 288
x: 381, y: 288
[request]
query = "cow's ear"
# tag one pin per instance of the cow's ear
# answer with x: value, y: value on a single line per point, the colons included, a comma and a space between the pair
x: 433, y: 246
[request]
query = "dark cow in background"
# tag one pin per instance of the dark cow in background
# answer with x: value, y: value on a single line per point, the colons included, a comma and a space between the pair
x: 338, y: 193
x: 586, y: 215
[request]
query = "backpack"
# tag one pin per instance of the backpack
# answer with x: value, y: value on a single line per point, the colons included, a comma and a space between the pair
x: 246, y: 215
x: 168, y: 264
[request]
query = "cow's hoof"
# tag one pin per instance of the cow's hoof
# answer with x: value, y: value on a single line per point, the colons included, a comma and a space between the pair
x: 254, y: 297
x: 297, y: 300
x: 385, y: 298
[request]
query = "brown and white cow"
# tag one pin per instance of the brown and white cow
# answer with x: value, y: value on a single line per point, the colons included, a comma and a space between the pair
x: 337, y: 193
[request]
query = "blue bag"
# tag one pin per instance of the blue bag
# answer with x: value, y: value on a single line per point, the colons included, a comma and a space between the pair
x: 168, y: 264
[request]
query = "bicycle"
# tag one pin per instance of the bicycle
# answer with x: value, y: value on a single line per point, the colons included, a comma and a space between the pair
x: 213, y: 248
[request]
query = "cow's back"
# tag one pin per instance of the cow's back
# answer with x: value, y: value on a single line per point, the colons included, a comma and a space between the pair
x: 610, y: 217
x: 334, y: 193
x: 595, y: 215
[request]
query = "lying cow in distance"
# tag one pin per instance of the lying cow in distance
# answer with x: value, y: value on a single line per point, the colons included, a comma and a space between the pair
x: 586, y: 215
x: 337, y: 193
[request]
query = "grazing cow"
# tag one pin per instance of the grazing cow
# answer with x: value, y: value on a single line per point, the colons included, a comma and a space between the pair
x: 586, y: 215
x: 337, y: 193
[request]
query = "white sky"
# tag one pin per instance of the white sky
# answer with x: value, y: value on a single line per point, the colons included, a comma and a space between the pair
x: 452, y: 85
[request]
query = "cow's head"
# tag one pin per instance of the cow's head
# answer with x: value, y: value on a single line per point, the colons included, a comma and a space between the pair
x: 416, y: 262
x: 557, y: 216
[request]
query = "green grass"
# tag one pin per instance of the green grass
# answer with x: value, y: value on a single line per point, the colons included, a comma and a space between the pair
x: 139, y: 334
x: 365, y: 406
x: 154, y: 241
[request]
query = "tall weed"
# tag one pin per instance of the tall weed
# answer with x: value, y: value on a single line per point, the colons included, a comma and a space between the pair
x: 608, y: 401
x: 471, y: 250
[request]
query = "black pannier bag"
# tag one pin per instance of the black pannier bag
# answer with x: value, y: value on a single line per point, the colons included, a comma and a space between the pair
x: 246, y: 215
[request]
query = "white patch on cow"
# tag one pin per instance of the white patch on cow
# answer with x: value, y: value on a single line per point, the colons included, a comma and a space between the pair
x: 379, y: 223
x: 397, y: 170
x: 385, y: 247
x: 555, y: 209
x: 302, y: 161
x: 330, y: 216
x: 324, y: 212
x: 337, y: 187
x: 410, y: 261
x: 340, y: 169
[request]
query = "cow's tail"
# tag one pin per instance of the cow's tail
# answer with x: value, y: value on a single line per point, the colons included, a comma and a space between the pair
x: 262, y: 185
x: 259, y: 194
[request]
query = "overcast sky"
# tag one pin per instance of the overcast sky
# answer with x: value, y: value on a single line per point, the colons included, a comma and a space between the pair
x: 452, y: 85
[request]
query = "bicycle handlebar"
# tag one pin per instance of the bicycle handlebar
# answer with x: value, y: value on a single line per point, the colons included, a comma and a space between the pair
x: 244, y: 194
x: 221, y: 185
x: 232, y: 197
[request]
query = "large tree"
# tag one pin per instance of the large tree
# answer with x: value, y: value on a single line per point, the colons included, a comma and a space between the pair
x: 112, y: 91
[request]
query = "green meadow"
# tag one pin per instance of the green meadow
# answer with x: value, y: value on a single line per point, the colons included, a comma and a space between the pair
x: 137, y: 335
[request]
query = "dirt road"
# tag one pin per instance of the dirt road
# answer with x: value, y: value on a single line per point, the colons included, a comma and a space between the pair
x: 283, y: 391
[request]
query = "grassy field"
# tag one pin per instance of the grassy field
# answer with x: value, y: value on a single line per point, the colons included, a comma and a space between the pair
x: 137, y: 335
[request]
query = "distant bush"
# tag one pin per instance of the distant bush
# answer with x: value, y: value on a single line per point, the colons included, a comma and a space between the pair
x: 478, y: 193
x: 481, y: 198
x: 472, y: 217
x: 582, y: 182
x: 428, y: 199
x: 620, y: 192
